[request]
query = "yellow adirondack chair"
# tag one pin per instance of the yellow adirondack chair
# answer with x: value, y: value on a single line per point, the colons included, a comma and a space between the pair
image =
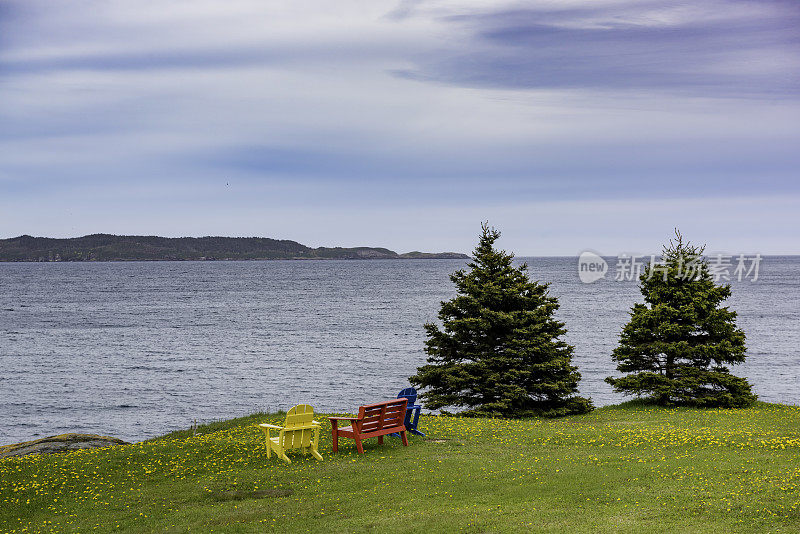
x: 300, y: 431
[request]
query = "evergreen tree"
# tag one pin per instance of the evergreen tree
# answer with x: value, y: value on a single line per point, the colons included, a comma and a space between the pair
x: 676, y: 344
x: 499, y: 350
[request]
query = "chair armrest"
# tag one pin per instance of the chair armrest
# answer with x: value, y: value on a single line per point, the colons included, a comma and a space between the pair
x: 265, y: 425
x: 345, y: 418
x: 315, y: 423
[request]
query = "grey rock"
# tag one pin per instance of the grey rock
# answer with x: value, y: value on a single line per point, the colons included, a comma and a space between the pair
x: 60, y: 443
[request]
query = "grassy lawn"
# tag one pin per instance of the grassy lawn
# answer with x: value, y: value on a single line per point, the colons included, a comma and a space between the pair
x: 628, y: 468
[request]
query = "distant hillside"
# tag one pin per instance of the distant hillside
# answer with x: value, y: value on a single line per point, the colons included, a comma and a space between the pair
x: 107, y: 247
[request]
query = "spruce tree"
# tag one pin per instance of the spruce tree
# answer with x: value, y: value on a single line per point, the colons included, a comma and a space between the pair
x: 676, y: 345
x: 499, y: 349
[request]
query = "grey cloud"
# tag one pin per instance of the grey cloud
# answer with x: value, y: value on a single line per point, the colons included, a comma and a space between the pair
x: 523, y: 49
x: 579, y: 170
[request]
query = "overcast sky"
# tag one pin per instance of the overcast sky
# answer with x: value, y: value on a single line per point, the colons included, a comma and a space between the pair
x: 568, y: 124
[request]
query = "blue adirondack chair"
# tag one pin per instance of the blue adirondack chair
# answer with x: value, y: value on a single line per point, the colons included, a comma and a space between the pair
x: 412, y: 411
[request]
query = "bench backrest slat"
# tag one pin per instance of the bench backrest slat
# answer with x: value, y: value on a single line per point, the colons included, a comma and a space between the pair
x: 382, y: 415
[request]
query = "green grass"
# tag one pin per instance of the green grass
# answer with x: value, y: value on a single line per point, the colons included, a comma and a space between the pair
x: 628, y: 468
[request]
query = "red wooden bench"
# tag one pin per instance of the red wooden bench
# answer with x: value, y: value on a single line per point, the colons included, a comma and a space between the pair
x: 374, y: 420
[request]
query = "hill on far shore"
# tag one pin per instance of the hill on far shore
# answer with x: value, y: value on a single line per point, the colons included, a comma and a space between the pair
x: 107, y: 247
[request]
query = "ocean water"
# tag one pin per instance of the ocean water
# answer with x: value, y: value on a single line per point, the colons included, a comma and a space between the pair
x: 138, y: 349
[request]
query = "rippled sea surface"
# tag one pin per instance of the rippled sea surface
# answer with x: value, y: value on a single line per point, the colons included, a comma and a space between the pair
x: 138, y: 349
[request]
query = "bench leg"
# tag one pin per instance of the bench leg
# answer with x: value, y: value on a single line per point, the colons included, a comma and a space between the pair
x: 405, y: 439
x: 359, y: 446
